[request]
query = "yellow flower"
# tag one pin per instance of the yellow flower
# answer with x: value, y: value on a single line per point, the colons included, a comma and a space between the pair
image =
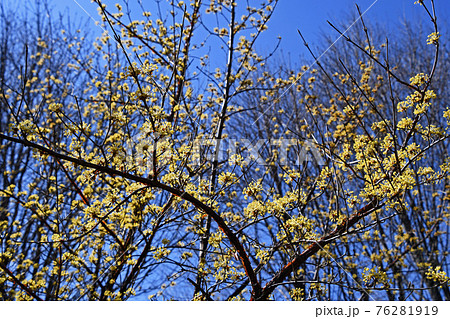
x: 433, y: 38
x: 419, y: 79
x: 227, y: 178
x: 436, y: 274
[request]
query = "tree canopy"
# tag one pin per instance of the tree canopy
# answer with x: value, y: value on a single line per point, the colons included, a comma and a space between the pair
x: 168, y: 159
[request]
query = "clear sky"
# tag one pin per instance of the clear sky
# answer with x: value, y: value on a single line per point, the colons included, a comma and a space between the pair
x: 309, y: 16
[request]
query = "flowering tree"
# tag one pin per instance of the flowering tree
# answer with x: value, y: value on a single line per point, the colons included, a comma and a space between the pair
x: 162, y: 161
x: 322, y: 102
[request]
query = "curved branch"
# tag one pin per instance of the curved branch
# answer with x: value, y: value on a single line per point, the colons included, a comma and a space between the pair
x: 157, y: 184
x: 19, y: 283
x: 314, y: 248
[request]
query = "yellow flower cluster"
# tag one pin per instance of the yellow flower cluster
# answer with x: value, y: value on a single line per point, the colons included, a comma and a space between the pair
x: 433, y: 38
x: 297, y: 294
x: 227, y: 178
x: 374, y: 276
x: 437, y: 274
x: 419, y: 79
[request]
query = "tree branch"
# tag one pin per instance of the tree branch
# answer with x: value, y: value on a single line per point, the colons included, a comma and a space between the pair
x: 157, y: 184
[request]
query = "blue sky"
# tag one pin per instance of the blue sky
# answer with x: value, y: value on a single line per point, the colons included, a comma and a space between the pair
x: 307, y: 15
x: 310, y: 17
